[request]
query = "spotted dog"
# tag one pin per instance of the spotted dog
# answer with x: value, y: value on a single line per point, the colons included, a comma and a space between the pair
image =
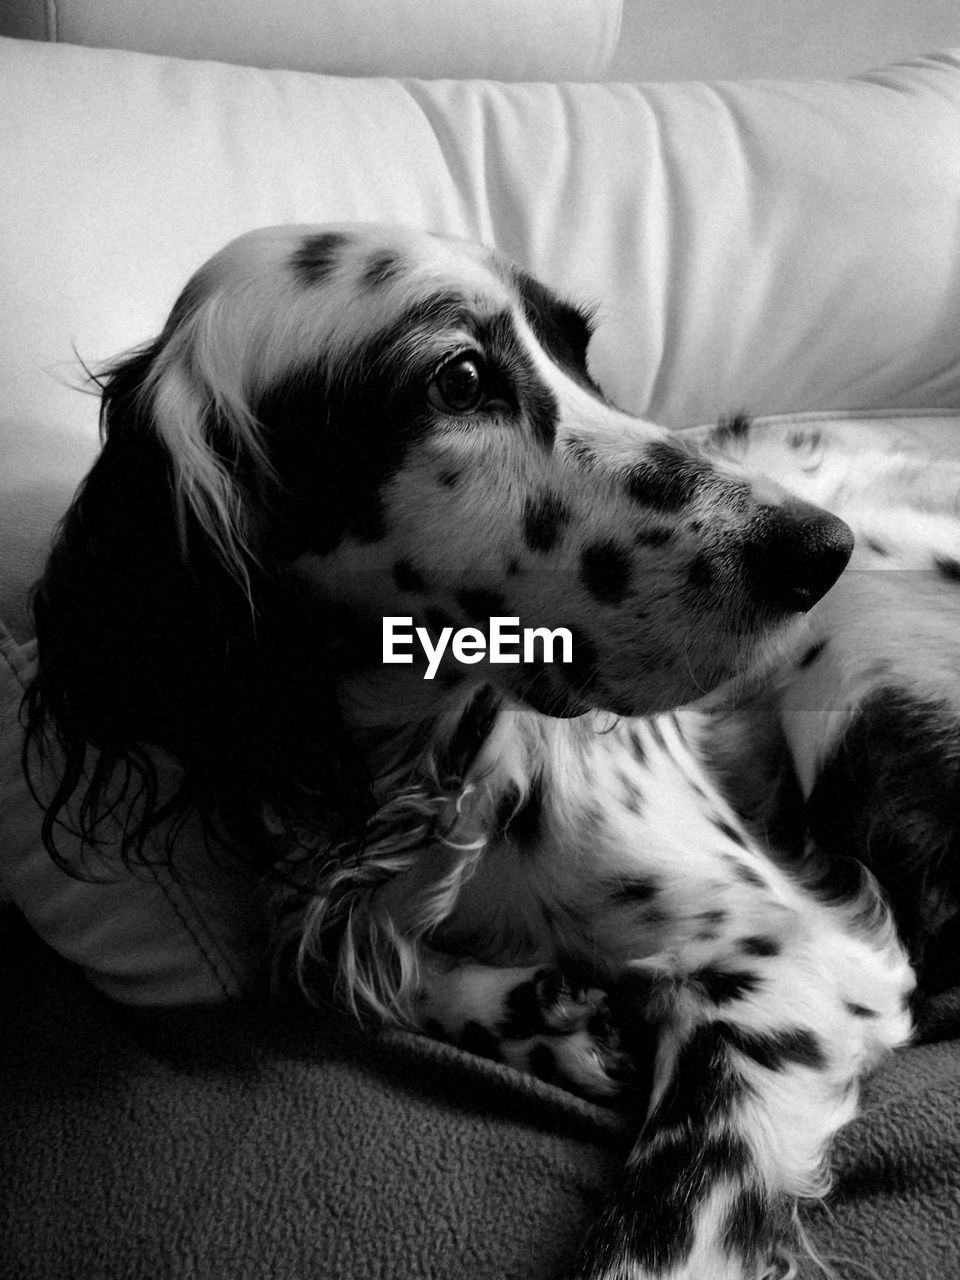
x: 568, y: 865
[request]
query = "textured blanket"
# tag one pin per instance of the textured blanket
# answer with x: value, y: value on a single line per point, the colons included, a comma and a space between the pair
x: 235, y: 1143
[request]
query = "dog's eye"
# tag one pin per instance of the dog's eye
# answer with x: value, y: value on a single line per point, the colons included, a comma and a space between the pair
x: 458, y: 387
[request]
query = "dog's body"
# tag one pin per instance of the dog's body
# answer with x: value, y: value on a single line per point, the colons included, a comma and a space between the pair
x: 340, y: 425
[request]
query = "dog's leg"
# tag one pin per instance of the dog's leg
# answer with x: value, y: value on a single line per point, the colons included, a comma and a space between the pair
x: 759, y: 1061
x: 873, y: 723
x: 531, y: 1018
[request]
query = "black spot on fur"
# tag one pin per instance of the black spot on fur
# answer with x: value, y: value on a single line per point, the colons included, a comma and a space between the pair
x: 775, y: 1050
x: 724, y: 986
x: 605, y: 569
x: 730, y: 832
x: 450, y: 478
x: 746, y: 1229
x: 653, y: 1209
x: 317, y: 256
x: 700, y: 574
x: 812, y: 654
x: 544, y: 519
x: 948, y: 568
x: 735, y: 427
x: 635, y: 890
x: 747, y: 875
x: 380, y: 269
x: 407, y: 577
x: 478, y: 1039
x: 481, y: 605
x: 637, y: 746
x: 758, y: 945
x: 704, y: 1084
x: 716, y: 916
x: 860, y: 1010
x: 876, y: 547
x: 653, y: 535
x: 666, y: 480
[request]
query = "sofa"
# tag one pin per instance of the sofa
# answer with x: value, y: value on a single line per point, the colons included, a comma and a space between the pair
x: 786, y: 249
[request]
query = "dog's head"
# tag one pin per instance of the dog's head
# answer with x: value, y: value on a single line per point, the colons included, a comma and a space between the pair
x: 343, y: 424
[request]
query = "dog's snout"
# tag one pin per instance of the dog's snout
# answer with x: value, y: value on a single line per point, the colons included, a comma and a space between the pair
x: 796, y: 554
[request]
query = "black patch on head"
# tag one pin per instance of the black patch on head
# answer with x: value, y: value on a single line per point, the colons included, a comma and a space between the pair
x: 605, y: 570
x: 478, y: 1039
x: 700, y: 575
x: 775, y: 1050
x: 380, y: 268
x: 544, y: 519
x: 635, y: 890
x: 481, y: 604
x: 653, y: 536
x: 563, y: 330
x: 947, y: 567
x: 812, y: 654
x: 724, y: 986
x: 335, y: 438
x: 407, y: 577
x: 317, y: 256
x: 667, y: 479
x: 512, y: 376
x: 449, y: 479
x: 759, y: 945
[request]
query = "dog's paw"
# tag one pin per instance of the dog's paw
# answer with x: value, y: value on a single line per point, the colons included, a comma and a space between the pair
x: 533, y: 1019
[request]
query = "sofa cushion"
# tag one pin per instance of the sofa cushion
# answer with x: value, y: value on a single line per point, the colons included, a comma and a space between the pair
x: 496, y: 39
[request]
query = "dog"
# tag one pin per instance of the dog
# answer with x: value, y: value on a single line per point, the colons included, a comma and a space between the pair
x: 568, y: 858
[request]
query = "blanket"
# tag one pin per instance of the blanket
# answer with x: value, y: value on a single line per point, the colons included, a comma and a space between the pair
x: 246, y: 1142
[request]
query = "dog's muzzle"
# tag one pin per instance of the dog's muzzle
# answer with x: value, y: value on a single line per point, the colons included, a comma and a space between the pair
x: 794, y: 554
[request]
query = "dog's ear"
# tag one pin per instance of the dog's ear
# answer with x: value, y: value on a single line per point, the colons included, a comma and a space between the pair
x: 159, y: 627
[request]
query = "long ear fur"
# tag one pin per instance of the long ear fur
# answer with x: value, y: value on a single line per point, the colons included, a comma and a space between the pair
x: 159, y: 628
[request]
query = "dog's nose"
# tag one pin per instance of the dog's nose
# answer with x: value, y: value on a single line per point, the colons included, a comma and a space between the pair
x: 795, y: 554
